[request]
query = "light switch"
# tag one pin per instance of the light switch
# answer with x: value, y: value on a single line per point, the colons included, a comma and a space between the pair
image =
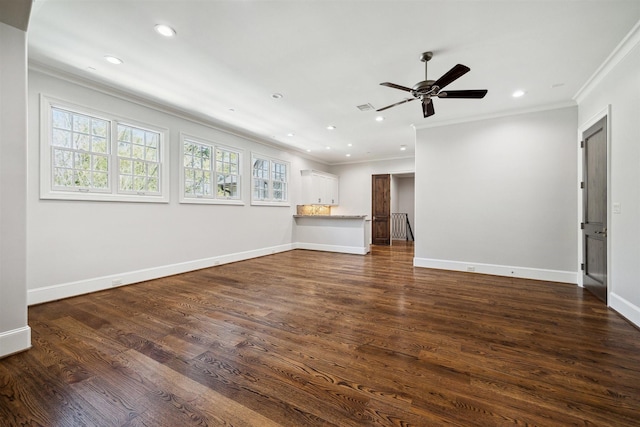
x: 617, y: 209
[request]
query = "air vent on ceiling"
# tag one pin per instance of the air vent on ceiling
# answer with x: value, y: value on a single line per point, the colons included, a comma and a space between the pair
x: 365, y: 107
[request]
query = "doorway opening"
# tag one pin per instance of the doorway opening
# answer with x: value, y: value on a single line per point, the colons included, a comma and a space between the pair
x: 393, y: 208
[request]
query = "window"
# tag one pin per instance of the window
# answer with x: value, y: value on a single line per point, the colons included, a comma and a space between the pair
x: 210, y: 173
x: 270, y: 181
x: 80, y: 151
x: 138, y: 160
x: 89, y: 155
x: 198, y: 170
x: 227, y: 173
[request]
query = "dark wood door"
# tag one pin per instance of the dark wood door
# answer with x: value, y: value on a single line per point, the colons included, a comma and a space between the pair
x: 381, y: 209
x: 595, y: 209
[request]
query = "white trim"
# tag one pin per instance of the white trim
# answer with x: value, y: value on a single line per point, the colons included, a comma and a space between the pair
x: 213, y: 199
x: 619, y: 53
x: 382, y: 159
x: 499, y: 270
x: 625, y: 308
x: 66, y: 290
x: 146, y: 101
x: 356, y: 250
x: 271, y: 160
x: 276, y: 204
x: 15, y: 341
x: 508, y: 113
x: 47, y: 192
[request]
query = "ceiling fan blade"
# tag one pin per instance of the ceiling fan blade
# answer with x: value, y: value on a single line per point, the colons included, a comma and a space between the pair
x: 474, y: 93
x: 453, y: 74
x: 427, y: 108
x: 395, y: 86
x: 397, y: 103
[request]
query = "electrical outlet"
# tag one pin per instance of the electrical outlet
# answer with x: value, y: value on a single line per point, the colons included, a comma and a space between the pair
x: 471, y: 268
x: 116, y: 282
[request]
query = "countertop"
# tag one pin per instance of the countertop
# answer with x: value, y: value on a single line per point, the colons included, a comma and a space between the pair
x: 332, y: 216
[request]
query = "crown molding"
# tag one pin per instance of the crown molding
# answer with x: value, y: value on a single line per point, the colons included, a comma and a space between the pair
x: 498, y: 115
x: 627, y: 44
x: 159, y: 106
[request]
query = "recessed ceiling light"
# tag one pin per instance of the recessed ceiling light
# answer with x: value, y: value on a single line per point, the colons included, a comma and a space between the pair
x: 349, y: 145
x: 403, y: 147
x: 331, y: 127
x: 113, y: 59
x: 165, y: 30
x: 290, y: 134
x: 308, y: 150
x: 379, y: 119
x: 518, y: 93
x: 328, y: 148
x: 348, y: 155
x: 276, y: 95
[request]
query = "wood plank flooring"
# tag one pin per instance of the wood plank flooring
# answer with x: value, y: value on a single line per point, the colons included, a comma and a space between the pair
x: 306, y: 338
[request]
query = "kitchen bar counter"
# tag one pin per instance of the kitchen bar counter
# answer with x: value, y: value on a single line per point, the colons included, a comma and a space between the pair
x: 333, y: 233
x: 330, y: 216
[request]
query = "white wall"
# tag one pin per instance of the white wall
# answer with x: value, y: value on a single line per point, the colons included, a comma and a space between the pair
x: 618, y: 86
x: 355, y: 183
x: 80, y: 246
x: 393, y: 194
x: 499, y: 196
x: 15, y: 335
x: 406, y: 198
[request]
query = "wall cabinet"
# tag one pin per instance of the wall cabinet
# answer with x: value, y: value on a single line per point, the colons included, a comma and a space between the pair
x: 319, y: 188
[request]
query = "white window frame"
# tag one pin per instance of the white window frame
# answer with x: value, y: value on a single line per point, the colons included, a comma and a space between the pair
x: 269, y: 200
x: 49, y: 191
x: 213, y: 198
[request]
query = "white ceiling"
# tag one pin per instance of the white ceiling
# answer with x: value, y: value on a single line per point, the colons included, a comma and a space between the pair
x: 327, y: 57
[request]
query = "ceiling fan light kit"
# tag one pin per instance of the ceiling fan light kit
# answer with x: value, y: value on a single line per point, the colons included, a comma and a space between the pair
x: 427, y: 89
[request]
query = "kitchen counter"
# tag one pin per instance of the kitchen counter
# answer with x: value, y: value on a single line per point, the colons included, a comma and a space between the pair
x: 333, y: 233
x: 330, y: 216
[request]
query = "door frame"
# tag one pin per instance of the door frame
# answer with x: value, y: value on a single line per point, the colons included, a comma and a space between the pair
x: 605, y: 112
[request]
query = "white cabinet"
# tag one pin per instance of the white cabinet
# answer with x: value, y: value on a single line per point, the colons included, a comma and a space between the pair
x: 319, y: 188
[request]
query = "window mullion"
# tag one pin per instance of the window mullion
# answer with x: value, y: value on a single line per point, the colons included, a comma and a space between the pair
x: 114, y: 163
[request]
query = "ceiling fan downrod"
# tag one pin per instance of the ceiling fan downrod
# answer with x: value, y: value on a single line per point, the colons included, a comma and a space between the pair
x: 425, y: 57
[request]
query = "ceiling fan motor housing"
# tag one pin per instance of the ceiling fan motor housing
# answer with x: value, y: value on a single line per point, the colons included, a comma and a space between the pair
x: 424, y: 88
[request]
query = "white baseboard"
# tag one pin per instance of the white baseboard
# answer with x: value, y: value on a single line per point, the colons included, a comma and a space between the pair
x: 15, y: 341
x: 357, y: 250
x: 499, y: 270
x: 66, y: 290
x: 627, y: 309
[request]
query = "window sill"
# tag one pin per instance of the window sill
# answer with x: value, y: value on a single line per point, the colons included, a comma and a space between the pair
x: 265, y: 203
x: 203, y: 201
x: 102, y: 197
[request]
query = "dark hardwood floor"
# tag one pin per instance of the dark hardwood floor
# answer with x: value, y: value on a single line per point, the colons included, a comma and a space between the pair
x: 307, y: 338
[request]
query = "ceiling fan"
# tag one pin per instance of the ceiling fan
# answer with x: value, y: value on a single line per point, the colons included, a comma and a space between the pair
x: 427, y: 89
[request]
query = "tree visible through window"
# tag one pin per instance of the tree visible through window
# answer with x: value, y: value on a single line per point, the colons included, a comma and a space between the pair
x: 91, y: 155
x: 197, y: 170
x: 209, y: 172
x: 227, y: 173
x: 270, y: 181
x: 80, y: 151
x: 138, y: 160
